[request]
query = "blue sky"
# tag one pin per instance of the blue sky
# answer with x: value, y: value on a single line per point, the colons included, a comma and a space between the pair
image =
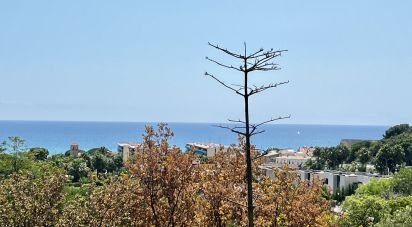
x: 348, y: 62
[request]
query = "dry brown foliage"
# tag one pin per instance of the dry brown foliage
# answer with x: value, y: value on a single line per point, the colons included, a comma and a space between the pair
x: 167, y: 180
x: 164, y: 187
x: 288, y: 201
x: 118, y: 203
x: 223, y: 189
x: 28, y: 200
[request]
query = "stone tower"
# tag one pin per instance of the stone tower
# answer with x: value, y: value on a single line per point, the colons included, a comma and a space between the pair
x: 74, y: 150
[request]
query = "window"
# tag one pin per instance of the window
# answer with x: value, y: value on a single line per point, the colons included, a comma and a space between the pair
x: 338, y: 181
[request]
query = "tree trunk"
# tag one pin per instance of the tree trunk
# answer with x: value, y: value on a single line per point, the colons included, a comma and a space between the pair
x: 248, y: 158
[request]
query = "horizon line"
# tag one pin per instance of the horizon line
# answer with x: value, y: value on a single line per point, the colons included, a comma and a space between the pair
x: 190, y: 122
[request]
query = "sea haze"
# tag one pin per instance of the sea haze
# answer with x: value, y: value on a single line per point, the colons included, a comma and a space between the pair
x: 57, y: 136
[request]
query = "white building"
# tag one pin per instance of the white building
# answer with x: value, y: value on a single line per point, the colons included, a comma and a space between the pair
x: 294, y: 162
x: 126, y: 150
x: 206, y: 149
x: 337, y: 179
x: 332, y: 179
x: 279, y: 158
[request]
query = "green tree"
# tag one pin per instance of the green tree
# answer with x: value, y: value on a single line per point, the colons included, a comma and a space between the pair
x: 2, y: 147
x: 99, y: 163
x: 374, y: 148
x: 400, y: 218
x: 6, y: 164
x: 354, y: 149
x: 405, y: 141
x: 402, y: 181
x: 396, y: 130
x: 408, y: 154
x: 102, y: 160
x: 376, y: 187
x: 315, y: 164
x: 332, y: 157
x: 59, y: 160
x: 118, y: 162
x: 388, y: 157
x: 398, y: 202
x: 39, y: 153
x: 342, y: 153
x: 363, y: 155
x: 99, y: 150
x: 363, y: 210
x: 77, y: 168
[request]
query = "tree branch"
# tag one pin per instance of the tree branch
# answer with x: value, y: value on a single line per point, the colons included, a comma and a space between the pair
x: 261, y: 61
x: 265, y: 87
x: 257, y: 52
x: 226, y: 66
x: 265, y: 67
x: 255, y: 127
x: 272, y: 120
x: 227, y: 51
x: 236, y: 121
x: 269, y: 52
x: 258, y: 132
x: 266, y: 58
x: 241, y: 87
x: 224, y: 84
x: 233, y: 129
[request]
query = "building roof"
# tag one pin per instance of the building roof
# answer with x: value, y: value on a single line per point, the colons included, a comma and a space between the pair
x: 272, y: 153
x: 206, y: 145
x: 287, y: 153
x: 337, y: 172
x: 130, y: 144
x: 293, y: 157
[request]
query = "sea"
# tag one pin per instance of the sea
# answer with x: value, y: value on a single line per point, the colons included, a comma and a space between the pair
x: 57, y: 136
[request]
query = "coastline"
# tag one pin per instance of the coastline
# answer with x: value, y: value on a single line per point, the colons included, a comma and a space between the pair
x: 58, y: 135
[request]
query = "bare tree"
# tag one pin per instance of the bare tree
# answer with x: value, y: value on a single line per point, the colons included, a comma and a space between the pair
x: 260, y: 60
